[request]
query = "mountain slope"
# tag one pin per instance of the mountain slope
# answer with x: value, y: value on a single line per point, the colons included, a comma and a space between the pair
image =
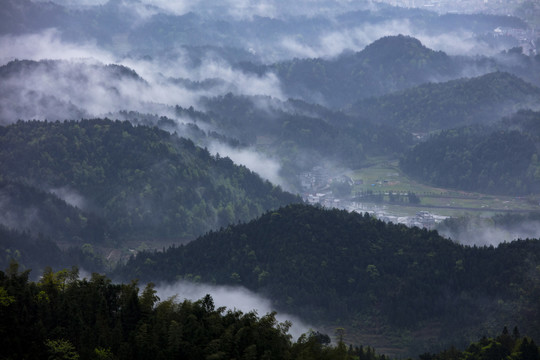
x: 434, y: 106
x: 144, y: 182
x: 59, y: 89
x: 389, y: 64
x: 328, y: 264
x: 490, y: 161
x: 302, y: 135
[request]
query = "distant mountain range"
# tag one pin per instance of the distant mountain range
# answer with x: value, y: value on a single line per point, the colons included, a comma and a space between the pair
x: 388, y: 65
x: 144, y: 27
x: 435, y: 106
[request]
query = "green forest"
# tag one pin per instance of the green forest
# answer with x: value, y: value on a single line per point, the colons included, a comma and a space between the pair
x: 331, y: 264
x: 495, y: 160
x: 121, y: 123
x: 389, y: 64
x: 64, y: 317
x: 72, y: 189
x: 435, y: 106
x: 300, y: 134
x: 140, y: 181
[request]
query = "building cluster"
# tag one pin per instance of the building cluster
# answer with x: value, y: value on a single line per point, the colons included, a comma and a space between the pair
x: 317, y: 189
x: 527, y: 38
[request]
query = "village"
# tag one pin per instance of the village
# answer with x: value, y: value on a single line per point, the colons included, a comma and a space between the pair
x: 323, y: 187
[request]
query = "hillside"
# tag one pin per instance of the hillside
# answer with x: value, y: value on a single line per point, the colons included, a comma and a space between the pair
x: 389, y: 64
x: 26, y: 208
x: 60, y: 89
x: 39, y: 229
x: 300, y: 134
x: 392, y: 64
x: 493, y: 161
x: 141, y: 182
x: 435, y: 106
x: 297, y: 134
x: 93, y: 318
x: 351, y: 270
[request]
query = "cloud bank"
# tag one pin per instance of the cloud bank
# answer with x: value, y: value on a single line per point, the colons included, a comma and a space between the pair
x: 333, y: 43
x: 237, y: 9
x: 81, y: 84
x: 77, y: 83
x: 267, y: 168
x: 238, y: 298
x: 485, y: 234
x: 48, y: 45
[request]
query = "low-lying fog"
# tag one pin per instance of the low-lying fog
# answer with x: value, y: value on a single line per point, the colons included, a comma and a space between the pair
x: 232, y: 298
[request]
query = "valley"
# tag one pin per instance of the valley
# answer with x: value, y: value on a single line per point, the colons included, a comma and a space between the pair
x: 382, y: 190
x: 259, y: 179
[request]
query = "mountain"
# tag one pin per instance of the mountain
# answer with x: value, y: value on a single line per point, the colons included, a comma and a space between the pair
x: 352, y: 270
x: 492, y: 161
x: 142, y: 182
x: 60, y: 89
x: 65, y: 317
x: 27, y: 208
x: 300, y: 134
x: 389, y: 64
x: 435, y: 106
x: 39, y: 229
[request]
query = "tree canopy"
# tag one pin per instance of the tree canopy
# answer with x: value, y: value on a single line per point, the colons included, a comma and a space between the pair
x: 331, y: 264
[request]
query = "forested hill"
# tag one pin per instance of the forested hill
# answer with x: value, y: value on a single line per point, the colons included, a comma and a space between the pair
x: 496, y: 161
x: 434, y: 106
x: 62, y: 89
x: 302, y: 135
x: 327, y: 265
x: 389, y: 64
x: 63, y: 317
x: 144, y: 183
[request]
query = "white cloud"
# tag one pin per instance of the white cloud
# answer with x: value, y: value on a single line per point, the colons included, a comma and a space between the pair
x: 70, y: 196
x: 238, y: 298
x: 484, y: 234
x: 335, y: 42
x: 48, y: 45
x: 267, y: 168
x: 81, y: 82
x: 80, y: 86
x: 247, y: 9
x: 178, y: 7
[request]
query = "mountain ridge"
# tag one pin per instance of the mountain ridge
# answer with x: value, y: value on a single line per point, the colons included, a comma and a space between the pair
x: 354, y: 270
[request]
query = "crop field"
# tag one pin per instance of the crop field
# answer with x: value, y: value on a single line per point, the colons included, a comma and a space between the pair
x: 385, y: 177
